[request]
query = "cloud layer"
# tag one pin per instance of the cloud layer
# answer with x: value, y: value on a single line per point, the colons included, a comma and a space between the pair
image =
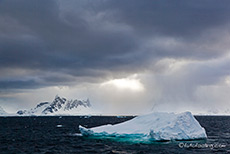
x: 179, y: 51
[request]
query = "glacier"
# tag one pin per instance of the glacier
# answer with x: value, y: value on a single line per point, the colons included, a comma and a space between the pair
x: 157, y: 126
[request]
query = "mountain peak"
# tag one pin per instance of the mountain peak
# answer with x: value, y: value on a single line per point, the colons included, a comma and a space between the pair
x: 55, y: 105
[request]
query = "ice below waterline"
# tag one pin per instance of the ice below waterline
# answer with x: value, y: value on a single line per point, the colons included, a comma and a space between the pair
x: 158, y: 126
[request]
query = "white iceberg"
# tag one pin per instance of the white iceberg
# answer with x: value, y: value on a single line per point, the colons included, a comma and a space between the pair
x: 152, y: 127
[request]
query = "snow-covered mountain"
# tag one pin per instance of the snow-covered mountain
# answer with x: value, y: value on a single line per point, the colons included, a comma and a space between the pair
x: 3, y: 112
x: 60, y: 106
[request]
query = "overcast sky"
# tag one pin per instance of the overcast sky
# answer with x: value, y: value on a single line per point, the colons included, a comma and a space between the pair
x: 126, y: 56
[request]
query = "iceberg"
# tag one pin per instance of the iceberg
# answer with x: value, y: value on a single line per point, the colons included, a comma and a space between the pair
x: 158, y: 126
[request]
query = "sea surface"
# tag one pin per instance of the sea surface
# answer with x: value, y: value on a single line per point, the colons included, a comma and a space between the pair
x: 61, y: 135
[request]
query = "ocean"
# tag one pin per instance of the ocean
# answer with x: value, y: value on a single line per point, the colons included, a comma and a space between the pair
x: 54, y: 134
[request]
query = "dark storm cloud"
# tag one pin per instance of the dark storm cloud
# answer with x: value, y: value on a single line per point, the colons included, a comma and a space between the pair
x: 99, y: 38
x: 58, y: 44
x: 179, y: 18
x: 29, y: 84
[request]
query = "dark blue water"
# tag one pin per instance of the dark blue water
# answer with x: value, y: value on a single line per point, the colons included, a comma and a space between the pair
x: 58, y: 135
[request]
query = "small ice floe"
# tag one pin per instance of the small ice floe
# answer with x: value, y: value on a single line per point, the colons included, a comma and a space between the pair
x: 158, y: 126
x: 59, y: 126
x: 121, y: 116
x: 87, y: 116
x: 75, y: 134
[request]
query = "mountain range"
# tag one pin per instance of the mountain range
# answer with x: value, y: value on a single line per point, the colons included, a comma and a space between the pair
x: 59, y: 106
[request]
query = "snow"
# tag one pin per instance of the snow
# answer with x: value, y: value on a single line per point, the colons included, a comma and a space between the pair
x: 154, y: 127
x: 80, y: 110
